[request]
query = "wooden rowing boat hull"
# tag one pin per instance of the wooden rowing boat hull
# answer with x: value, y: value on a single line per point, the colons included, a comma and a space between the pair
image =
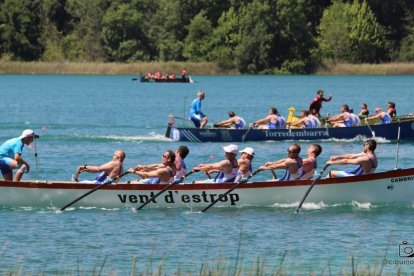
x: 388, y: 131
x: 395, y: 186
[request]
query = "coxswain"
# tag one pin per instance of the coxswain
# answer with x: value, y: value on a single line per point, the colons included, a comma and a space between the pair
x: 196, y: 115
x: 11, y: 155
x: 317, y: 102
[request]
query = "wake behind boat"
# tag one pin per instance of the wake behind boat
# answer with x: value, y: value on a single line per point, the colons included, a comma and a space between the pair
x: 396, y: 186
x: 387, y: 131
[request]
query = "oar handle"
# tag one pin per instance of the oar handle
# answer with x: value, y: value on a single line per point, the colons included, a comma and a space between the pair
x: 311, y: 186
x: 93, y: 190
x: 229, y: 191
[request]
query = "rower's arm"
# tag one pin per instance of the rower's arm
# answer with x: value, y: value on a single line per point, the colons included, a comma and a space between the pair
x: 155, y: 173
x: 262, y: 121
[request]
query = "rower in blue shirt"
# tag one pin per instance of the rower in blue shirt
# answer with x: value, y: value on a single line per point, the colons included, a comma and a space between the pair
x: 196, y: 115
x: 383, y: 116
x: 237, y: 121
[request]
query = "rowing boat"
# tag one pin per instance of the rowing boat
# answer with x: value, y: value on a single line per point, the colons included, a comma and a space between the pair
x: 396, y: 186
x: 165, y: 80
x: 386, y: 131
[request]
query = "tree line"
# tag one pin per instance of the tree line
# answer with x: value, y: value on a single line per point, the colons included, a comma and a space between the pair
x: 252, y: 36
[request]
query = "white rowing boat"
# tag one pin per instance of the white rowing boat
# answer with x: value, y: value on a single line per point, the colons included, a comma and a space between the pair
x: 395, y: 186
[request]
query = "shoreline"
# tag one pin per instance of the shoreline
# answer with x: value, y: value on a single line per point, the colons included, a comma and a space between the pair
x: 194, y: 68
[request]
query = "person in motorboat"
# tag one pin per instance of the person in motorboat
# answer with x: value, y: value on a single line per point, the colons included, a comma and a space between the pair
x: 310, y: 163
x: 308, y: 121
x: 162, y: 173
x: 245, y: 164
x: 316, y: 103
x: 271, y: 121
x: 383, y: 116
x: 293, y: 164
x: 227, y: 168
x: 196, y: 115
x: 391, y: 109
x: 180, y: 165
x: 237, y: 121
x: 108, y: 171
x: 366, y: 160
x: 344, y: 119
x: 364, y: 110
x: 11, y: 155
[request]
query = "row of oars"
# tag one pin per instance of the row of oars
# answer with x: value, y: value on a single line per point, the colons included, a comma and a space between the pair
x: 169, y: 186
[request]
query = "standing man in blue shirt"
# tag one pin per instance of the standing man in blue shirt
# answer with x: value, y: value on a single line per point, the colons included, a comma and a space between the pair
x: 196, y: 115
x: 11, y: 155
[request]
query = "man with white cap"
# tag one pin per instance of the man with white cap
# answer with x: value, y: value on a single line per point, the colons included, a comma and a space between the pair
x: 11, y: 155
x: 196, y: 115
x: 245, y: 164
x: 227, y: 168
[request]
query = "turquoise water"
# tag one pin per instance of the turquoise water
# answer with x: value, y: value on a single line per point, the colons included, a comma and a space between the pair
x: 83, y: 119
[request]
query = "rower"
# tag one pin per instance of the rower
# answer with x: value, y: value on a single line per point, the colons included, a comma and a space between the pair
x: 180, y: 165
x: 107, y: 172
x: 272, y: 121
x: 227, y: 168
x: 237, y: 121
x: 293, y: 164
x: 310, y: 164
x: 344, y: 119
x: 162, y: 173
x: 308, y: 121
x: 245, y: 164
x: 391, y: 109
x: 383, y: 116
x: 367, y: 161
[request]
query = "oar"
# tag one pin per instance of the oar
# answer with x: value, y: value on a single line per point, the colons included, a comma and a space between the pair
x: 180, y: 118
x: 372, y: 132
x: 310, y: 187
x: 398, y: 145
x: 163, y: 190
x: 91, y: 191
x: 229, y: 191
x: 273, y: 174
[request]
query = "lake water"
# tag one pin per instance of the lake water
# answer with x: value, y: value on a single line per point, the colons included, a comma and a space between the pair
x: 83, y: 119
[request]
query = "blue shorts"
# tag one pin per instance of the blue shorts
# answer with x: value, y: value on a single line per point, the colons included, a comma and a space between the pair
x: 345, y: 173
x: 197, y: 120
x: 5, y: 165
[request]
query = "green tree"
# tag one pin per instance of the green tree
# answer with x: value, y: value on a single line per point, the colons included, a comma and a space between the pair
x: 366, y: 35
x: 123, y: 36
x: 334, y: 38
x: 84, y: 37
x: 253, y: 48
x: 224, y: 40
x: 406, y: 52
x: 20, y: 29
x: 350, y: 32
x: 197, y: 41
x: 293, y: 43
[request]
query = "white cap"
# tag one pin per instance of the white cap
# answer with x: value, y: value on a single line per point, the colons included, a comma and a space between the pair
x: 231, y: 149
x: 27, y: 133
x: 249, y: 151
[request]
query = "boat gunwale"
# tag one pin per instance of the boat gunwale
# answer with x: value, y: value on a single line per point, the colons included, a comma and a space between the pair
x: 68, y: 185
